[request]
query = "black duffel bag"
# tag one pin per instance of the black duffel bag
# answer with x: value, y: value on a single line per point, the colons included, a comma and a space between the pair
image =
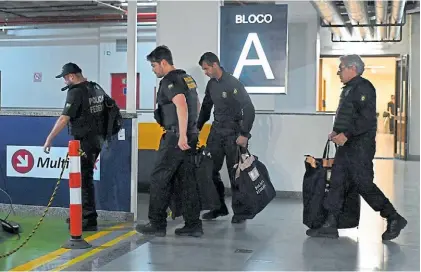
x: 253, y: 188
x: 201, y: 165
x: 315, y: 190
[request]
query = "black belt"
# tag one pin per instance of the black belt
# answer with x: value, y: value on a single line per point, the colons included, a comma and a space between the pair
x: 227, y: 124
x: 174, y: 129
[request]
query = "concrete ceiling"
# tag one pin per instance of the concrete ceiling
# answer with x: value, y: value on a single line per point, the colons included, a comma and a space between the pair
x: 33, y: 12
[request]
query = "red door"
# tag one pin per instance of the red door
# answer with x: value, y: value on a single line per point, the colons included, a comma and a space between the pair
x: 119, y: 89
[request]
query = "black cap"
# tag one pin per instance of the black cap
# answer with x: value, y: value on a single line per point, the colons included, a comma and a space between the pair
x: 69, y: 68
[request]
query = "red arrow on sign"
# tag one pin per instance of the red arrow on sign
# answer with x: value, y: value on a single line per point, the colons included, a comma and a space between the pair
x: 22, y: 161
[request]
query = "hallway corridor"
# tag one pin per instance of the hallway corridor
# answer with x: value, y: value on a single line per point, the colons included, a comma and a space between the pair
x: 276, y: 240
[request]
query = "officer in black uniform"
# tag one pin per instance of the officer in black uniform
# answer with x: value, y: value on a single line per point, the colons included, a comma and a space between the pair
x: 84, y: 110
x: 354, y: 130
x: 177, y: 113
x: 233, y: 119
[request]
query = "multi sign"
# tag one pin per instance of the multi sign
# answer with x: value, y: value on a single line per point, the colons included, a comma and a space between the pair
x: 253, y: 45
x: 32, y: 162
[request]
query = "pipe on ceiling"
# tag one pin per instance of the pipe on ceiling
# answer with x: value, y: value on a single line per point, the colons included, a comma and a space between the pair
x: 117, y: 18
x: 357, y: 13
x: 381, y: 18
x: 330, y: 15
x: 396, y: 17
x: 140, y: 26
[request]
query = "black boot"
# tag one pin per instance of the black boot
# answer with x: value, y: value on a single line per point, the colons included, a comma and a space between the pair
x: 194, y: 230
x: 223, y: 211
x: 395, y: 223
x: 88, y: 224
x: 150, y: 229
x: 328, y: 230
x: 237, y: 220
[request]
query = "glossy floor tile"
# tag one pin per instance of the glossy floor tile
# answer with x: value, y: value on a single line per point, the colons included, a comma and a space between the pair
x: 276, y: 240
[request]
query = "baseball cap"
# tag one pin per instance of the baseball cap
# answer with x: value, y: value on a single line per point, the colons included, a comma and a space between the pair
x: 69, y: 68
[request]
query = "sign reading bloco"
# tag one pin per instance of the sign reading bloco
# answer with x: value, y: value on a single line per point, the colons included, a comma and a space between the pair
x: 253, y: 45
x: 32, y: 162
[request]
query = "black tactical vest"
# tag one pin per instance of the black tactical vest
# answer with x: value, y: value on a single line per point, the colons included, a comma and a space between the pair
x: 90, y: 120
x: 168, y: 111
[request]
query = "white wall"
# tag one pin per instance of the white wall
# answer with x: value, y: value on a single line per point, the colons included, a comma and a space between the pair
x: 278, y: 143
x: 414, y: 66
x: 24, y: 52
x: 88, y: 51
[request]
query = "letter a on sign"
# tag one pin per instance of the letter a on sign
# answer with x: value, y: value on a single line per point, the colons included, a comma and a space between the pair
x: 252, y: 38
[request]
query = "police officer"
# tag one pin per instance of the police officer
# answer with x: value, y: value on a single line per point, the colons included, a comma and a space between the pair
x: 233, y: 119
x: 84, y: 111
x: 354, y: 130
x: 177, y: 113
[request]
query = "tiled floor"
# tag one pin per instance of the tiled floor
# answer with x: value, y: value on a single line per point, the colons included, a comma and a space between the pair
x: 276, y: 240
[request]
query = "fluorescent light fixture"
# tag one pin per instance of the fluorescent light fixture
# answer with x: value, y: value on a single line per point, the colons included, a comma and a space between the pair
x: 375, y: 67
x: 265, y: 90
x: 141, y: 4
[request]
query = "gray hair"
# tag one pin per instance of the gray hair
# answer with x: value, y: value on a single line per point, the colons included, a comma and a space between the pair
x: 353, y: 60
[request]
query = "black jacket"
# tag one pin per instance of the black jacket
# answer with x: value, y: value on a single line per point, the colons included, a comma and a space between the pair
x: 356, y: 114
x: 174, y: 83
x: 232, y: 103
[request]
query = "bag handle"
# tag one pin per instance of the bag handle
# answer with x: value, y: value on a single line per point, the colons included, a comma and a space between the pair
x: 326, y: 151
x: 240, y: 159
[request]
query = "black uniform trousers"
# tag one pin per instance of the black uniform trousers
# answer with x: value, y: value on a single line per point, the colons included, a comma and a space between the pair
x: 222, y: 144
x: 354, y: 162
x: 172, y: 163
x: 91, y: 146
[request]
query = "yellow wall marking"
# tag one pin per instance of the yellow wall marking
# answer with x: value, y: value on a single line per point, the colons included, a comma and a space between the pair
x: 150, y: 134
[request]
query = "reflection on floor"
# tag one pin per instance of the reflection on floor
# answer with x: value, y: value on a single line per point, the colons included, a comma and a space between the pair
x: 384, y: 145
x: 276, y: 240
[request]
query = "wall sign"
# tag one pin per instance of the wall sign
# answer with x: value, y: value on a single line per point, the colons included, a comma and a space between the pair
x: 253, y: 45
x: 37, y: 77
x: 32, y: 162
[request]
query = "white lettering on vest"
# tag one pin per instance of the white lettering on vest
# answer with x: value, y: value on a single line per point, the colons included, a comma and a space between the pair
x: 97, y: 102
x: 253, y: 19
x: 96, y: 99
x: 252, y: 38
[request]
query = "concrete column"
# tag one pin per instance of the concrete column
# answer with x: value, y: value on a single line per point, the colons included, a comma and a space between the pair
x: 414, y: 87
x: 189, y: 29
x: 131, y: 95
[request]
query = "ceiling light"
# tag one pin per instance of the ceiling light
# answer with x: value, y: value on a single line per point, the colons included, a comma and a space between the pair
x: 375, y: 67
x: 141, y: 4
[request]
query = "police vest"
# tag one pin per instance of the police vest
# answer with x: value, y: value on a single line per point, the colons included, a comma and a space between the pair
x: 168, y: 110
x: 90, y: 120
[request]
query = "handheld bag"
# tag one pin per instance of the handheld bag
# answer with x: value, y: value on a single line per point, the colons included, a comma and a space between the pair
x: 201, y: 164
x: 209, y: 198
x: 315, y: 190
x: 113, y: 118
x: 254, y: 189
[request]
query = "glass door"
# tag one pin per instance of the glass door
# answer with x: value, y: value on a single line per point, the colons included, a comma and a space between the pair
x: 400, y: 118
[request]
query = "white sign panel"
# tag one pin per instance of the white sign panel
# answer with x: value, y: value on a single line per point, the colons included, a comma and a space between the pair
x: 32, y: 162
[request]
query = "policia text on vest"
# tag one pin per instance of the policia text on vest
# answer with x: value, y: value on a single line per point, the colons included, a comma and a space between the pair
x: 92, y: 116
x: 85, y: 106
